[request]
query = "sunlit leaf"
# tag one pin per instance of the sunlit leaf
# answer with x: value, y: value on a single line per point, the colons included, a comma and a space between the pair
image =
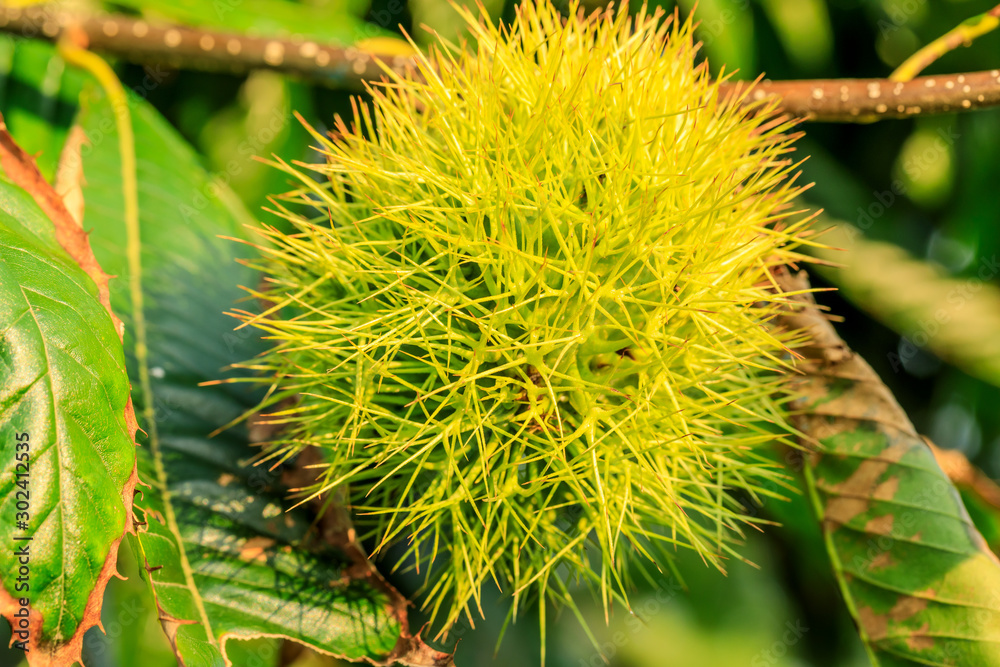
x: 67, y: 460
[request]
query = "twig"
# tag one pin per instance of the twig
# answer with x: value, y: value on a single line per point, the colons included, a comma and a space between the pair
x: 969, y: 30
x: 867, y: 100
x: 832, y: 100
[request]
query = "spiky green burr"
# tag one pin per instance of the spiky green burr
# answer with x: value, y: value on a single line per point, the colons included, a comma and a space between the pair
x: 523, y: 309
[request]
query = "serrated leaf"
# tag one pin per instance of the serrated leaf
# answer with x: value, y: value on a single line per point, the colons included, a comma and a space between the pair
x: 220, y: 552
x: 66, y: 421
x: 919, y: 579
x: 225, y: 560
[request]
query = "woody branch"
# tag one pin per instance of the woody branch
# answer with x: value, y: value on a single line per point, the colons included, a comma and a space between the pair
x: 833, y: 100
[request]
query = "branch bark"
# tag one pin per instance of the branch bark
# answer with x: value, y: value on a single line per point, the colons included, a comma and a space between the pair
x: 830, y: 100
x: 867, y: 100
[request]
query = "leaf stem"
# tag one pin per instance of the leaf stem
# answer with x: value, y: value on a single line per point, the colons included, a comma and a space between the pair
x: 961, y: 35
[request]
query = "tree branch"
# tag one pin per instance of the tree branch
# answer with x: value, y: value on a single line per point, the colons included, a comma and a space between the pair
x: 867, y: 100
x: 196, y: 48
x: 831, y: 100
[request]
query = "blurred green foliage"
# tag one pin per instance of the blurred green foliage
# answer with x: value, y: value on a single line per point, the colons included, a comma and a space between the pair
x: 927, y: 185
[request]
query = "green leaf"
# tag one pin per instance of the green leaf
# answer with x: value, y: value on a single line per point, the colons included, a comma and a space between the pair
x: 958, y: 320
x: 221, y: 554
x: 336, y: 22
x: 38, y: 96
x: 917, y: 576
x: 222, y: 557
x: 67, y: 462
